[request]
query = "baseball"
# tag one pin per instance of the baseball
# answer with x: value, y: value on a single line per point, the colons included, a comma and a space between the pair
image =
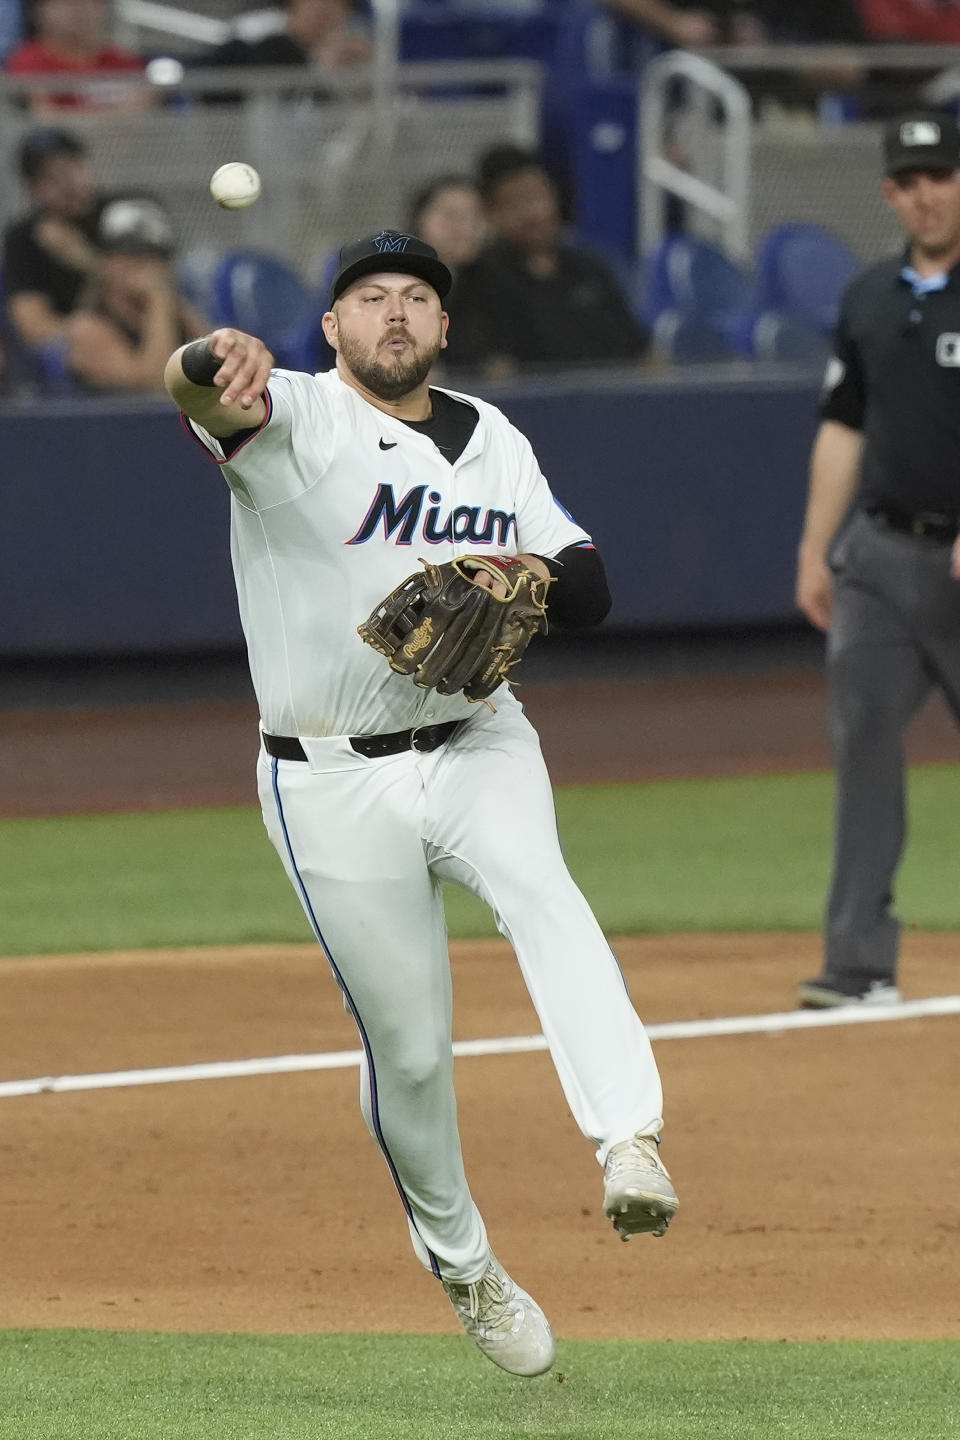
x: 235, y: 185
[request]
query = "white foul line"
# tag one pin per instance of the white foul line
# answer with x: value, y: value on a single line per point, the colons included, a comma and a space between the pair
x: 507, y: 1045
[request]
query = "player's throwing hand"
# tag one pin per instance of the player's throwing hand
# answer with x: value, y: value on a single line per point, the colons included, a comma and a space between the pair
x: 233, y: 369
x: 245, y: 366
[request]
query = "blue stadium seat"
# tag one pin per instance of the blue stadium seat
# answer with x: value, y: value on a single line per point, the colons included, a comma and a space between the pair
x: 194, y: 269
x: 690, y: 339
x: 261, y: 294
x: 55, y: 372
x: 784, y: 335
x: 805, y: 269
x: 698, y: 280
x: 11, y: 26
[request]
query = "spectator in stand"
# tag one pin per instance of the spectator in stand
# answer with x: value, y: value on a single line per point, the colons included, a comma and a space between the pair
x: 449, y: 215
x: 914, y: 22
x: 685, y: 24
x: 530, y: 300
x: 315, y: 32
x: 50, y: 255
x: 71, y: 37
x: 135, y: 316
x: 692, y: 25
x: 688, y: 24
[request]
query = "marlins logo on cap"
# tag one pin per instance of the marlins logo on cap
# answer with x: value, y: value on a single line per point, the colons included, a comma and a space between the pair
x: 391, y: 250
x: 389, y: 242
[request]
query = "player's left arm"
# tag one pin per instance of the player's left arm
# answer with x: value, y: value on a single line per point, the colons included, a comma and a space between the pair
x: 580, y: 595
x: 486, y: 581
x: 546, y: 532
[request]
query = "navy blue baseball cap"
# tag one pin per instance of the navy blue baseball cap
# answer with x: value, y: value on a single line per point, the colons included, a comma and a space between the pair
x: 391, y: 250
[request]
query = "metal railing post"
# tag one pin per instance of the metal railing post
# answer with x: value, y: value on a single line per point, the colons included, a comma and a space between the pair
x: 729, y: 202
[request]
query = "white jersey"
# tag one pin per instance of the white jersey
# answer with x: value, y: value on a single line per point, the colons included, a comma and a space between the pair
x: 333, y: 505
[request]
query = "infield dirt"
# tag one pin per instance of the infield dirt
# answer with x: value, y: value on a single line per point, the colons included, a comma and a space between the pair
x: 819, y: 1172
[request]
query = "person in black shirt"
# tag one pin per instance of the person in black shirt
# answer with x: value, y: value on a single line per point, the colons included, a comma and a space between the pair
x: 530, y: 301
x: 50, y: 255
x: 880, y: 536
x: 315, y: 32
x: 693, y: 24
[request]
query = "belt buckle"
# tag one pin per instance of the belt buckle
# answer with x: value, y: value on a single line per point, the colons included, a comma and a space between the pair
x: 421, y: 750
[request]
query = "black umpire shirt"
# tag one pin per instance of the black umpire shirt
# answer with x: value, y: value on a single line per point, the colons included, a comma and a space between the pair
x: 895, y: 376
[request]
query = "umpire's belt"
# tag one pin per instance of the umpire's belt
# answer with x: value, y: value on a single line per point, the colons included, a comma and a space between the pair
x: 931, y: 525
x: 424, y: 738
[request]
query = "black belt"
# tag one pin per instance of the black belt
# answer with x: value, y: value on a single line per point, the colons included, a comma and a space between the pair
x: 930, y: 524
x: 423, y: 739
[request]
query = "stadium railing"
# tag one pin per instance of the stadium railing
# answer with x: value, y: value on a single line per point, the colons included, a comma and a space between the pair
x: 738, y: 166
x: 339, y: 152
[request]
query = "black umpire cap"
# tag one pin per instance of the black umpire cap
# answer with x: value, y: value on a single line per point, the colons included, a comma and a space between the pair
x: 395, y: 251
x: 922, y: 140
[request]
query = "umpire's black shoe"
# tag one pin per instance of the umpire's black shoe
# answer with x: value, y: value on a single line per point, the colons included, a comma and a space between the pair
x: 827, y: 992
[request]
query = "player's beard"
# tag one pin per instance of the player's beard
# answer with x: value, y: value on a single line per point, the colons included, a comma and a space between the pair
x: 392, y: 378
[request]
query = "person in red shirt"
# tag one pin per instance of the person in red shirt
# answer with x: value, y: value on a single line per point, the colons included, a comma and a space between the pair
x: 70, y: 37
x: 914, y: 22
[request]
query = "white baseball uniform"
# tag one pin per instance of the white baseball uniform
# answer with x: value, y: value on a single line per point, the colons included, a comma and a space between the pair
x: 333, y: 503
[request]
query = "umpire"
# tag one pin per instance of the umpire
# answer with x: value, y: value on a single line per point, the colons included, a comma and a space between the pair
x: 881, y: 575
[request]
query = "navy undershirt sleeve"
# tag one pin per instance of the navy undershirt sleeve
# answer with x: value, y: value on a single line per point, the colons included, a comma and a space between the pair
x: 580, y: 595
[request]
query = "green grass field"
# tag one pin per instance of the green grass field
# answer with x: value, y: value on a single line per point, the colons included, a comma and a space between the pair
x: 83, y: 1385
x: 730, y: 854
x: 692, y: 855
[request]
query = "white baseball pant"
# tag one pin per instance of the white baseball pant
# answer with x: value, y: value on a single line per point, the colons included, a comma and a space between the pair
x: 366, y: 844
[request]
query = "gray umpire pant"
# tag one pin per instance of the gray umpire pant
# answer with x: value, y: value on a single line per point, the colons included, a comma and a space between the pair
x: 895, y: 634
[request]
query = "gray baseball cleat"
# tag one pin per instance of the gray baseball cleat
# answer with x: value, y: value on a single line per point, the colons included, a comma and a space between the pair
x: 503, y: 1321
x: 825, y: 993
x: 638, y: 1196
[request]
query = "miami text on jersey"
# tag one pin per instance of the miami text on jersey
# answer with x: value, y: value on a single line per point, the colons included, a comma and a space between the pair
x: 402, y: 517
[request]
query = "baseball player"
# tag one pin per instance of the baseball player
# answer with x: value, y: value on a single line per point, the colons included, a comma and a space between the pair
x: 374, y: 791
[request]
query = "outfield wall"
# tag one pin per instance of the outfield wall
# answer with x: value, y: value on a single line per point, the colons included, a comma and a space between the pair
x: 114, y: 535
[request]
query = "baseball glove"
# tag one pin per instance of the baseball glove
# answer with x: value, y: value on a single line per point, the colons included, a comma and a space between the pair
x: 451, y: 634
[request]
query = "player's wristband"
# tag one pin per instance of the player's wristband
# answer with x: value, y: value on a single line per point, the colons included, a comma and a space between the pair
x: 199, y: 363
